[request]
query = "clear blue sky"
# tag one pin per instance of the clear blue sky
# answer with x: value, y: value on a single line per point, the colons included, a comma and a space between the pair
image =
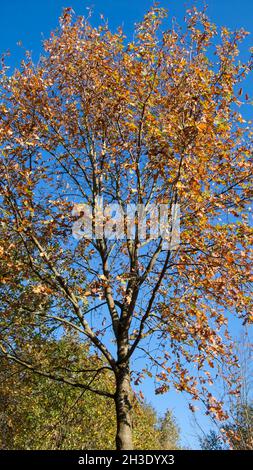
x: 29, y: 21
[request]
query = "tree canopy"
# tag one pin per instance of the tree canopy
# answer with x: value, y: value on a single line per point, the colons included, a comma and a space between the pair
x: 153, y: 122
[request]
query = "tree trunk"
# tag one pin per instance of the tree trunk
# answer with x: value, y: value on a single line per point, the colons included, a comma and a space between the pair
x: 123, y: 410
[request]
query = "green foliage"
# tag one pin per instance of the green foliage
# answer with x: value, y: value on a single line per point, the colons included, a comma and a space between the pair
x: 169, y: 432
x: 39, y: 413
x: 212, y: 441
x: 239, y: 432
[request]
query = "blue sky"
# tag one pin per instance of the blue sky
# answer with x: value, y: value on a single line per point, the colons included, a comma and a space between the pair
x: 30, y: 21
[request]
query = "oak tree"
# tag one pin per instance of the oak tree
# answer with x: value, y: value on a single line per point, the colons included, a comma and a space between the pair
x: 154, y: 122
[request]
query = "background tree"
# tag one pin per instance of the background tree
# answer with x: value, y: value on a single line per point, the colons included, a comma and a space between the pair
x: 169, y: 432
x: 239, y: 432
x: 239, y: 429
x: 38, y: 413
x: 152, y: 121
x: 212, y: 441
